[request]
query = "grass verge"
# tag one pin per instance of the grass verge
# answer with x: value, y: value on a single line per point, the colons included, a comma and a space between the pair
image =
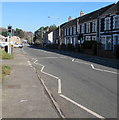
x: 5, y: 70
x: 4, y: 55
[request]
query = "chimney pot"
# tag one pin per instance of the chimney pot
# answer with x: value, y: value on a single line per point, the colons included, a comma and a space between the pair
x: 81, y: 13
x: 70, y: 18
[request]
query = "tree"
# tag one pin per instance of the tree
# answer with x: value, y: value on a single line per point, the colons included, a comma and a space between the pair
x: 4, y: 33
x: 52, y: 28
x: 19, y: 33
x: 38, y: 34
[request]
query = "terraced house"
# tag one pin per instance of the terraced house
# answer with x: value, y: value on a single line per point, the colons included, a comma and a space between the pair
x: 88, y: 25
x: 101, y: 25
x: 109, y: 30
x: 70, y: 32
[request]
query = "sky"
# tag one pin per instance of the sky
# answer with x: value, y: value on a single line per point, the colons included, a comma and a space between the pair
x: 30, y: 16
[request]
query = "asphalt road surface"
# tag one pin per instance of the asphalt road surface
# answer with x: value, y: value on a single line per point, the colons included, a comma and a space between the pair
x: 83, y: 89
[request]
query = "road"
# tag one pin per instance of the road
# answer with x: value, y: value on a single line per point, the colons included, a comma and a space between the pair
x: 83, y: 89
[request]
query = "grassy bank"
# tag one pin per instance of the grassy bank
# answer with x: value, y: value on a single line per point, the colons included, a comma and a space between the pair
x: 5, y: 70
x: 4, y: 55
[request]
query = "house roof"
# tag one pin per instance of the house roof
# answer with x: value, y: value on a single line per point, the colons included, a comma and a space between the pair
x: 112, y: 10
x: 94, y: 15
x: 70, y: 23
x: 88, y: 17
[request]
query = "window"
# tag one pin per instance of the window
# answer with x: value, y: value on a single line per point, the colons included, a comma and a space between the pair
x: 67, y: 31
x: 65, y: 40
x: 70, y: 40
x: 107, y: 23
x: 94, y: 38
x: 116, y: 39
x: 83, y: 28
x: 70, y: 30
x: 88, y: 38
x: 74, y: 30
x: 94, y: 27
x: 116, y: 22
x: 78, y: 28
x: 107, y: 43
x: 87, y: 27
x: 103, y: 42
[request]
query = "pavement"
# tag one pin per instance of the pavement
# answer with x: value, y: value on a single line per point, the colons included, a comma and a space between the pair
x: 23, y: 95
x: 83, y: 86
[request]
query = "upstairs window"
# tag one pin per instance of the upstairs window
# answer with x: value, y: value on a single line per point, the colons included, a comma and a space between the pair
x: 88, y: 28
x: 74, y: 30
x: 70, y: 30
x: 79, y: 28
x: 67, y: 31
x: 94, y: 27
x: 82, y: 28
x: 107, y: 23
x: 116, y: 22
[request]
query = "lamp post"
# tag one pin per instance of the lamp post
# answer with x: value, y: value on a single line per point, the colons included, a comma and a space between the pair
x: 58, y: 23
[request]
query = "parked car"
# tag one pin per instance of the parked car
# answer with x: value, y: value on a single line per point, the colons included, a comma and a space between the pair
x: 18, y: 45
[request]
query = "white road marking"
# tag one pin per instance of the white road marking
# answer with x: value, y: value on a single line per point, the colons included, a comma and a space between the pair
x: 35, y: 61
x: 29, y: 63
x: 68, y: 99
x: 72, y: 60
x: 59, y: 86
x: 54, y: 102
x: 50, y: 57
x: 59, y: 81
x: 81, y: 106
x: 23, y: 100
x: 92, y: 66
x: 103, y: 70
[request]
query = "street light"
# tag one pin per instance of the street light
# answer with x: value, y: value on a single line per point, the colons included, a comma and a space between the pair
x: 59, y: 23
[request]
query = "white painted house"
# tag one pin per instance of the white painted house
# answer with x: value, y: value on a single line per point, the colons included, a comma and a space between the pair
x: 50, y: 38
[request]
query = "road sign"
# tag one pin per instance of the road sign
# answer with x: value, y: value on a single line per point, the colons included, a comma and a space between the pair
x: 10, y: 34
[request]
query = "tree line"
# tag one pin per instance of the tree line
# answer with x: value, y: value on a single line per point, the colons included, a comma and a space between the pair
x: 38, y: 34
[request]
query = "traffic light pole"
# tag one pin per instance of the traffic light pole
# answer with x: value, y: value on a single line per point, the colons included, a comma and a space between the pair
x: 9, y: 34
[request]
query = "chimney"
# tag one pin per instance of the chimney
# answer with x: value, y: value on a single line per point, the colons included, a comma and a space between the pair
x: 70, y: 18
x: 81, y: 13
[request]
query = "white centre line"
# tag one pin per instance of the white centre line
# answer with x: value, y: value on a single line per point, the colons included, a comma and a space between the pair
x: 81, y: 106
